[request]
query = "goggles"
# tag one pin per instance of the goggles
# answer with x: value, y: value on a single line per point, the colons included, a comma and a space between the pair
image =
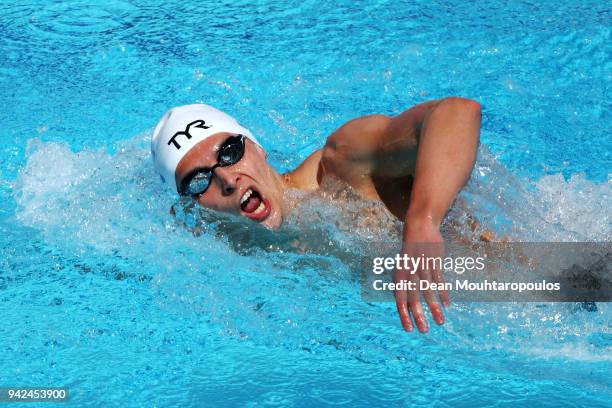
x: 197, y: 182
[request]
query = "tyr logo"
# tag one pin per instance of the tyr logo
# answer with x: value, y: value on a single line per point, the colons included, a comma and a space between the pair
x: 200, y: 124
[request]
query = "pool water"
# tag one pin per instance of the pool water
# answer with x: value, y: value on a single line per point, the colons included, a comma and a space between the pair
x: 105, y: 292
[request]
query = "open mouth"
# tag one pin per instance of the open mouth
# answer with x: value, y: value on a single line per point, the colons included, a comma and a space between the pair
x: 254, y: 206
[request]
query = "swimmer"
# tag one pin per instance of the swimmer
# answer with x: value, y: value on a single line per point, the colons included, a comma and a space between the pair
x: 415, y: 163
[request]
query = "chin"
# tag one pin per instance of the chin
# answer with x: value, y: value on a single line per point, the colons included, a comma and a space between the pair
x: 274, y: 220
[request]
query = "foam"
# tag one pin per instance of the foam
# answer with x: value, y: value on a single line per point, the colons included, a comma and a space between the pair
x: 550, y: 209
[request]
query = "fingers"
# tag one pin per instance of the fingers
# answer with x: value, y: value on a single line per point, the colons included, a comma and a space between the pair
x: 445, y: 298
x: 419, y: 316
x: 414, y: 310
x: 429, y: 295
x: 434, y: 306
x: 435, y: 309
x: 409, y: 306
x: 401, y: 301
x: 438, y: 277
x: 402, y: 308
x: 425, y: 277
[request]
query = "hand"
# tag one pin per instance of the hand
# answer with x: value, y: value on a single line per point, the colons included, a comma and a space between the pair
x: 422, y: 239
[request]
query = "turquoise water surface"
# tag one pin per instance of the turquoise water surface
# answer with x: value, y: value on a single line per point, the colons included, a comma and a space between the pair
x: 104, y: 292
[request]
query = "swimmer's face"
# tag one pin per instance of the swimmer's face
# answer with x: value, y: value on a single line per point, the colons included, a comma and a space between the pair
x: 250, y: 188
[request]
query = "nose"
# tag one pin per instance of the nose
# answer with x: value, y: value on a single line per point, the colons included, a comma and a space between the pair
x: 228, y: 181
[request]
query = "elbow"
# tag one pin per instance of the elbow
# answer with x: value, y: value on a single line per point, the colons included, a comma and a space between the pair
x: 464, y: 103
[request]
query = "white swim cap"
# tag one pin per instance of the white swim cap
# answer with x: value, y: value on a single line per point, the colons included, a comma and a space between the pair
x: 183, y: 127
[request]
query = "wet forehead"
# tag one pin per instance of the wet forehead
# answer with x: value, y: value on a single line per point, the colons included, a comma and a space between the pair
x: 203, y: 154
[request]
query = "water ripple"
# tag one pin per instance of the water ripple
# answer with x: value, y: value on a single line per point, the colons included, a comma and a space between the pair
x: 82, y: 19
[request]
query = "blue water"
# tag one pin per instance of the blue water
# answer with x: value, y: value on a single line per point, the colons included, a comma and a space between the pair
x: 103, y: 291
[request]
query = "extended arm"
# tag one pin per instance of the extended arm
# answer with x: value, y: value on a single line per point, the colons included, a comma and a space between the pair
x: 435, y: 143
x: 446, y: 152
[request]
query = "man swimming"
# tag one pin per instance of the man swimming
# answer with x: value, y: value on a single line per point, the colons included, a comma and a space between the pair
x: 415, y: 163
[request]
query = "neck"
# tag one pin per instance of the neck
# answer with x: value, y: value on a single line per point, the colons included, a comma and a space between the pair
x: 287, y: 181
x: 307, y: 175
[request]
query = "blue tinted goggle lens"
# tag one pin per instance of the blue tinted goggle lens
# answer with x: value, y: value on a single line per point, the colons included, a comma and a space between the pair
x: 199, y: 183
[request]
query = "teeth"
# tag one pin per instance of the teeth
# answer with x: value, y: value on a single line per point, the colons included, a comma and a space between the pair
x: 246, y: 195
x: 260, y: 208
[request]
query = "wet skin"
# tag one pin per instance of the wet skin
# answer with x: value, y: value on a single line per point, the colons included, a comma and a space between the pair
x: 415, y: 163
x: 229, y: 184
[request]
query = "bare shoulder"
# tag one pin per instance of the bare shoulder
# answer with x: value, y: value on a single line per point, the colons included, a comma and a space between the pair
x: 355, y: 141
x: 369, y: 147
x: 350, y: 152
x: 307, y: 175
x: 376, y: 144
x: 345, y: 155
